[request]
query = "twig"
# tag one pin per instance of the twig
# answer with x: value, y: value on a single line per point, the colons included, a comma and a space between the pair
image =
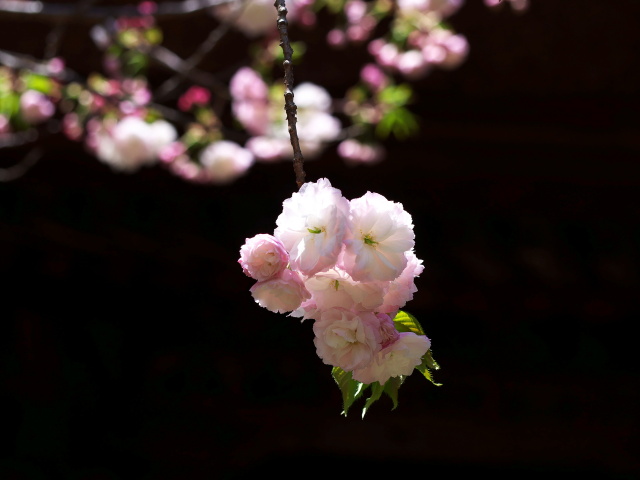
x: 25, y: 62
x: 53, y: 11
x: 16, y: 171
x: 190, y: 63
x: 172, y: 61
x: 55, y: 35
x: 289, y: 105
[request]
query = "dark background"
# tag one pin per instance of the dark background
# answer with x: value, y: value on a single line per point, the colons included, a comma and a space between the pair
x: 131, y: 347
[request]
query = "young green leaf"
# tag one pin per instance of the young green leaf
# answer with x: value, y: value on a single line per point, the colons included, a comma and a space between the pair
x: 405, y: 322
x: 350, y: 388
x: 376, y: 392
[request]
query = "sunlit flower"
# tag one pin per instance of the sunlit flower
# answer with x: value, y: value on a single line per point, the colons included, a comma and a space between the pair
x: 346, y: 339
x: 281, y: 294
x: 380, y: 233
x: 263, y: 257
x: 398, y: 358
x: 312, y: 226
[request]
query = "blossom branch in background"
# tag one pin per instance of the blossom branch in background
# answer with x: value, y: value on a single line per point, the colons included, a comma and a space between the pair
x: 54, y: 11
x: 290, y: 106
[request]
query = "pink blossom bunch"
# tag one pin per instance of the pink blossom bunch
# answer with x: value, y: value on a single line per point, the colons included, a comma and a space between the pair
x: 264, y: 118
x: 349, y: 266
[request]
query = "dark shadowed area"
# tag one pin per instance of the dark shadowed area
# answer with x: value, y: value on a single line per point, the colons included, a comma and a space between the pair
x: 131, y: 346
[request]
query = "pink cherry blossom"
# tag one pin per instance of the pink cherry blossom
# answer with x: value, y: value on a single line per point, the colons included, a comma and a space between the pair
x: 263, y: 257
x: 398, y: 358
x: 401, y: 290
x: 347, y: 339
x: 281, y: 294
x: 312, y: 226
x: 380, y: 233
x: 335, y: 288
x: 225, y: 161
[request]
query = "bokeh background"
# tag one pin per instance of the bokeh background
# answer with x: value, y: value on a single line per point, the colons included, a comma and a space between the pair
x: 131, y: 347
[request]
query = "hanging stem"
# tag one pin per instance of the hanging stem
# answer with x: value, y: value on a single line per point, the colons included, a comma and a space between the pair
x: 289, y: 106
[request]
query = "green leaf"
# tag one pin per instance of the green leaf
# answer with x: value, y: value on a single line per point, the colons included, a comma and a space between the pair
x: 399, y: 121
x: 39, y: 83
x: 405, y: 322
x: 376, y: 392
x: 396, y: 95
x: 423, y: 367
x: 391, y: 389
x: 350, y: 388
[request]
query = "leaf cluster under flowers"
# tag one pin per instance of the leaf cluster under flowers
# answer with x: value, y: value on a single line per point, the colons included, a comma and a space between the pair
x: 352, y: 390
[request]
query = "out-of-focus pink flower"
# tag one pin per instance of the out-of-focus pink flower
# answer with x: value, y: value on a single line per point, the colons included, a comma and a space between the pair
x: 268, y: 149
x: 355, y: 10
x: 55, y: 66
x: 253, y: 115
x: 281, y: 294
x: 337, y: 38
x: 247, y: 84
x: 35, y: 107
x: 194, y: 96
x: 263, y: 257
x: 356, y: 153
x: 398, y: 358
x: 5, y: 126
x: 412, y: 64
x: 374, y: 77
x: 225, y: 161
x: 71, y: 126
x: 170, y: 152
x: 132, y: 142
x: 380, y: 233
x: 347, y: 339
x: 312, y: 226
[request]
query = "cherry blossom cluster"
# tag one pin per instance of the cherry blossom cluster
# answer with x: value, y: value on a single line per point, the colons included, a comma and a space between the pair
x: 348, y: 265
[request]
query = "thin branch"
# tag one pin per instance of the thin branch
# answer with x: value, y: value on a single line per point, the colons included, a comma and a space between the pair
x: 55, y: 35
x: 53, y: 11
x: 25, y: 62
x: 172, y: 61
x: 190, y: 63
x: 18, y: 170
x: 289, y: 105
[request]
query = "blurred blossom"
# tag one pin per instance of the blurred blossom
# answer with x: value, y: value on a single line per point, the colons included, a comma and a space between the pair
x: 171, y: 151
x: 55, y: 66
x: 336, y: 38
x: 35, y: 107
x: 255, y: 17
x: 374, y: 77
x: 5, y: 127
x: 71, y: 126
x: 247, y: 84
x: 412, y: 64
x: 225, y: 161
x: 132, y: 142
x: 194, y: 96
x: 355, y: 152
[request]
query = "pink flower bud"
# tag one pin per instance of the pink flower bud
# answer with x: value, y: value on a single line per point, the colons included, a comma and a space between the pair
x: 263, y: 257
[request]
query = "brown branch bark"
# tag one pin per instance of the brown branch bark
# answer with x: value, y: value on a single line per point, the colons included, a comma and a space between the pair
x: 289, y: 105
